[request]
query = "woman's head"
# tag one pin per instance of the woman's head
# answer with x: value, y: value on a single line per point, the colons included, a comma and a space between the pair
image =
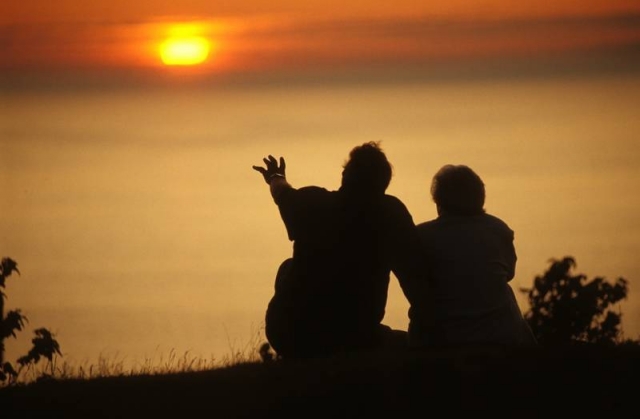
x: 458, y: 190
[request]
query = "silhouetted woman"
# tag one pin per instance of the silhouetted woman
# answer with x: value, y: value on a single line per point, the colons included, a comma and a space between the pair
x: 471, y: 258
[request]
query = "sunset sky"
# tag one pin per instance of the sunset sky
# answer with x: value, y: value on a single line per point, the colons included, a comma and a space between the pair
x: 131, y: 207
x: 261, y: 38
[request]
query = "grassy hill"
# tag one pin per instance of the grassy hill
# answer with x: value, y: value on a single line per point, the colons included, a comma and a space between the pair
x: 580, y: 380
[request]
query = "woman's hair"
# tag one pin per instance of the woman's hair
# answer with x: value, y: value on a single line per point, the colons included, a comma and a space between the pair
x: 458, y: 190
x: 367, y: 171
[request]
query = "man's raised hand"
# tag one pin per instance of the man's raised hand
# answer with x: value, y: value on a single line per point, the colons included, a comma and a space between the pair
x: 271, y: 168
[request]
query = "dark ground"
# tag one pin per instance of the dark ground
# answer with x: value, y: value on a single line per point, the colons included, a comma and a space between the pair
x: 580, y: 381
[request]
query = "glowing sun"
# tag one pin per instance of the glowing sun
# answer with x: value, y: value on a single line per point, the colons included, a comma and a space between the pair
x: 184, y: 48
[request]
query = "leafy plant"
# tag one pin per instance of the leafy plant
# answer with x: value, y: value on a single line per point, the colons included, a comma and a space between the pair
x: 567, y: 308
x: 44, y: 343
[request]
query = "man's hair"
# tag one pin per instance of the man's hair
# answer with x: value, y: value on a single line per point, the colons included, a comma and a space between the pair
x: 458, y: 190
x: 367, y: 171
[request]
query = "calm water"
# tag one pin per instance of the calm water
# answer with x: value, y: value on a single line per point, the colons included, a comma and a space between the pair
x: 140, y: 228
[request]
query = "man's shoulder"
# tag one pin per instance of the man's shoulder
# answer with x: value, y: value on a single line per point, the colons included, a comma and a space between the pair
x: 308, y: 192
x: 392, y: 200
x: 314, y: 190
x: 394, y: 204
x: 496, y: 221
x: 303, y: 197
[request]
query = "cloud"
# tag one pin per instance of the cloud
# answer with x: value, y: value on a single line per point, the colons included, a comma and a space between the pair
x: 290, y: 44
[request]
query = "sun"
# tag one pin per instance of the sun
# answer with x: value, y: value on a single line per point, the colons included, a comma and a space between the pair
x: 185, y: 44
x: 185, y: 51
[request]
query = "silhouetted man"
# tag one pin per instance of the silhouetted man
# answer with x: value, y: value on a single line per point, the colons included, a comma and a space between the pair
x: 331, y: 295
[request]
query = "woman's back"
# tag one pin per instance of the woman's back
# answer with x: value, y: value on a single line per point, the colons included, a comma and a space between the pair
x: 470, y: 261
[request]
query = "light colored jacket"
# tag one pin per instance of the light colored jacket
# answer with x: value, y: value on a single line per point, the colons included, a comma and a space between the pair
x: 470, y: 261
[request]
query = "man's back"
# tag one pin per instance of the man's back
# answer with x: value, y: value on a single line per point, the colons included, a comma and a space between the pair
x: 331, y: 294
x: 344, y: 251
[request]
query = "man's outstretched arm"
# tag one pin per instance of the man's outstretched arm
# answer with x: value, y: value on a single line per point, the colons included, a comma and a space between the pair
x: 274, y: 175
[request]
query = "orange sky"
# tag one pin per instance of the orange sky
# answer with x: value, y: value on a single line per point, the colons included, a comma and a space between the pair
x: 118, y: 10
x: 533, y: 134
x: 262, y: 36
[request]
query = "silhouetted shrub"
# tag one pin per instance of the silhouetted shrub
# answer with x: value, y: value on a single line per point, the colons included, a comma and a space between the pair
x: 567, y: 308
x: 44, y: 343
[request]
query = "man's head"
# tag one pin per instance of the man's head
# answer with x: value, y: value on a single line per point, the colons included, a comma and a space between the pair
x: 367, y: 171
x: 458, y: 190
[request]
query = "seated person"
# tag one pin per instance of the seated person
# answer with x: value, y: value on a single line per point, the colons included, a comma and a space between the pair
x: 330, y: 296
x: 470, y: 259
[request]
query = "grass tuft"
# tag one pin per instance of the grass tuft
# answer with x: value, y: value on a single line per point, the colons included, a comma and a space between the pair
x: 118, y: 366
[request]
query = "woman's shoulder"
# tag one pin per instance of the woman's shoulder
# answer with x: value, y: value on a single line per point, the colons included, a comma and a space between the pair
x: 429, y: 225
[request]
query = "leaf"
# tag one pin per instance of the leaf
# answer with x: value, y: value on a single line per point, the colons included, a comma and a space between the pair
x: 13, y: 321
x: 44, y: 344
x: 8, y: 266
x: 27, y: 359
x: 8, y: 368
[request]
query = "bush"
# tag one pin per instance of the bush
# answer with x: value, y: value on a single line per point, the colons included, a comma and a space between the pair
x: 567, y: 308
x: 44, y: 343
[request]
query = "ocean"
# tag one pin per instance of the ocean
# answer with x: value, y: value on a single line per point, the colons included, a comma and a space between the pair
x: 140, y: 228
